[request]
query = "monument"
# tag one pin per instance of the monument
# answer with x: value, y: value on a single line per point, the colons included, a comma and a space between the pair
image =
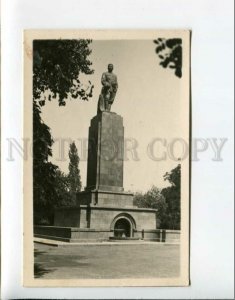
x: 109, y: 90
x: 104, y: 211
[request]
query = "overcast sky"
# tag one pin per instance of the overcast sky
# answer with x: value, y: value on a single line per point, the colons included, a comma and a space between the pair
x: 148, y: 98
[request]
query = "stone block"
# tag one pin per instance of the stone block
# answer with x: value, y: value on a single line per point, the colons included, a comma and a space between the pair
x: 105, y: 155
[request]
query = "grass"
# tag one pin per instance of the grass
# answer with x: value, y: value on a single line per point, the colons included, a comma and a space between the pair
x: 107, y: 261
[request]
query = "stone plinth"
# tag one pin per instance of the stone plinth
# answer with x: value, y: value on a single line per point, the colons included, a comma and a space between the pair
x: 105, y: 153
x: 105, y: 198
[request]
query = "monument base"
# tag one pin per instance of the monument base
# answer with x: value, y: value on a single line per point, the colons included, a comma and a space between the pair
x: 117, y: 220
x: 78, y: 235
x: 104, y: 210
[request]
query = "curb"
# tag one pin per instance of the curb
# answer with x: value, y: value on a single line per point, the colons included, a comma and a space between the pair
x: 109, y: 243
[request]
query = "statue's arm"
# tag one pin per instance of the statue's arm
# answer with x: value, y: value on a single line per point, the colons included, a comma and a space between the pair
x: 104, y: 80
x: 116, y: 82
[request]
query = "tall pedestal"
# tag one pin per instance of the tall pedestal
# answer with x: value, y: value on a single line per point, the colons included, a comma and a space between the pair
x: 105, y: 163
x: 105, y: 154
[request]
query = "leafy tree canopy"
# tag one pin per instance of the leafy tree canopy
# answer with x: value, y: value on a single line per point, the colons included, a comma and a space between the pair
x: 62, y: 189
x: 74, y: 177
x: 56, y: 68
x: 170, y: 53
x: 152, y: 199
x: 44, y: 172
x: 166, y: 201
x: 172, y: 195
x: 174, y: 176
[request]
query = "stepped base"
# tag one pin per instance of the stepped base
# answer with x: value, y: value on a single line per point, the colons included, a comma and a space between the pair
x: 124, y: 239
x: 78, y: 235
x: 105, y: 198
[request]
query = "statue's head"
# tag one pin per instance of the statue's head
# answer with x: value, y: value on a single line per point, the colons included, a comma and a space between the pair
x: 110, y: 67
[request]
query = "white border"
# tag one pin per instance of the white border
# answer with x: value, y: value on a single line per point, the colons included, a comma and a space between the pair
x: 212, y: 79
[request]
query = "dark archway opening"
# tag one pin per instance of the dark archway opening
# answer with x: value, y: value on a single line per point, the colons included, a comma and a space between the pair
x: 122, y: 228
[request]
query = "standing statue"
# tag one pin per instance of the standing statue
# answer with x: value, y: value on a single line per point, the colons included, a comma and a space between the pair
x: 108, y: 91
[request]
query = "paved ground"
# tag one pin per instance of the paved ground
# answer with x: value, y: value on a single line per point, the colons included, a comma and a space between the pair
x: 106, y: 261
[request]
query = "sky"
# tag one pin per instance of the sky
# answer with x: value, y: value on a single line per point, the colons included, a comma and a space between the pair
x: 148, y: 99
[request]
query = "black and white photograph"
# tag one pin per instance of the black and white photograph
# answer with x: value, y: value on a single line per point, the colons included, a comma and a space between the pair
x: 117, y: 149
x: 107, y: 189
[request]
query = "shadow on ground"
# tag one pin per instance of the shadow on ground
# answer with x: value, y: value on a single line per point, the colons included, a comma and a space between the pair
x: 39, y: 271
x: 37, y: 252
x: 46, y: 261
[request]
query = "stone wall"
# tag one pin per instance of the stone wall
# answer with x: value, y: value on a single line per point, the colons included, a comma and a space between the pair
x: 101, y: 218
x: 70, y: 234
x: 70, y: 217
x: 161, y: 235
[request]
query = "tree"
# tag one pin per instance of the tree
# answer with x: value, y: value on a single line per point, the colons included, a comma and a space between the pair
x: 44, y: 172
x: 56, y: 68
x: 174, y: 177
x: 152, y: 199
x: 173, y: 197
x: 62, y: 190
x: 74, y: 178
x: 170, y: 53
